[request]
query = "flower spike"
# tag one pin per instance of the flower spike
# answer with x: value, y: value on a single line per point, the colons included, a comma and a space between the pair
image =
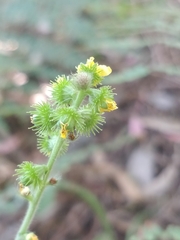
x: 74, y: 108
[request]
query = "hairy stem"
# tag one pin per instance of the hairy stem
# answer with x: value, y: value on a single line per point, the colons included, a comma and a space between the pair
x: 79, y: 99
x: 38, y: 194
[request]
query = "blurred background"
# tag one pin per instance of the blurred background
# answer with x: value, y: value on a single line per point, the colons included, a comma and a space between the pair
x: 132, y: 166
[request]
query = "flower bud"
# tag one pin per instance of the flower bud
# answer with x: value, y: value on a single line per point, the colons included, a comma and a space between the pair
x: 31, y: 236
x: 23, y: 190
x: 82, y: 80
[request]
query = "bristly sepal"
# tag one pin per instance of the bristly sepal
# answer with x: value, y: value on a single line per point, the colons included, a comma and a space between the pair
x: 92, y: 121
x: 41, y: 118
x: 29, y: 173
x: 62, y: 91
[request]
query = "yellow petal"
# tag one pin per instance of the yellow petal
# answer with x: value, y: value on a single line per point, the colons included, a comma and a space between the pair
x: 103, y: 70
x: 78, y: 68
x: 63, y: 131
x: 111, y: 106
x: 90, y: 62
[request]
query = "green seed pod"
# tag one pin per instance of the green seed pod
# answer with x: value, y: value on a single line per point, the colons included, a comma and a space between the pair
x: 82, y: 80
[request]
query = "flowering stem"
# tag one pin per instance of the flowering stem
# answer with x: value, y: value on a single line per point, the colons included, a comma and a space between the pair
x: 35, y: 201
x: 74, y: 118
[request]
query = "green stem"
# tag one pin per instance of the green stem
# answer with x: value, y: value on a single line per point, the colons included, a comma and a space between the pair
x: 35, y: 201
x: 79, y: 99
x: 38, y: 194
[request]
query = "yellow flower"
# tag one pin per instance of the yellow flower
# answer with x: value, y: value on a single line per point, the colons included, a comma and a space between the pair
x: 31, y: 236
x: 104, y: 70
x: 63, y: 131
x: 111, y: 106
x: 98, y: 71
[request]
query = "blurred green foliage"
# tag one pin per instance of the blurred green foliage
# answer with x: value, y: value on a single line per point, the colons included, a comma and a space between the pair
x: 155, y: 232
x: 44, y: 39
